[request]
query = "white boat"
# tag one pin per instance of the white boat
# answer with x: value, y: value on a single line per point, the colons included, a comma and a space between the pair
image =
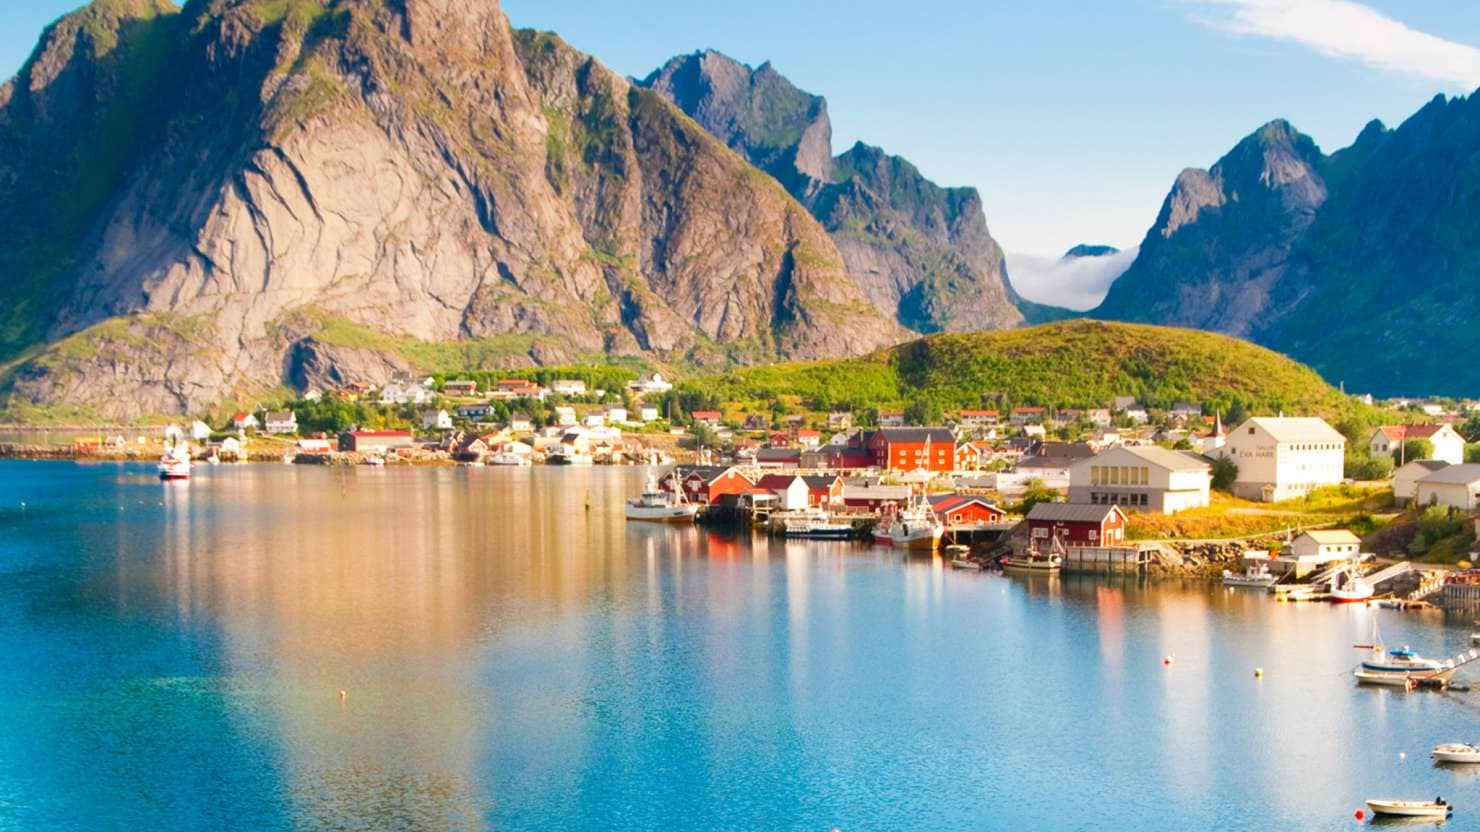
x: 1387, y: 678
x: 914, y: 529
x: 1400, y: 660
x: 288, y: 458
x: 1254, y: 576
x: 1411, y: 808
x: 658, y: 506
x: 174, y: 463
x: 376, y: 461
x: 1356, y: 590
x: 1456, y: 752
x: 569, y: 457
x: 816, y: 527
x: 508, y: 459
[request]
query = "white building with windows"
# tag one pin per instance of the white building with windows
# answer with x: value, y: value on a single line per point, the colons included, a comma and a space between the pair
x: 1143, y: 477
x: 1455, y: 486
x: 1280, y: 458
x: 1448, y: 445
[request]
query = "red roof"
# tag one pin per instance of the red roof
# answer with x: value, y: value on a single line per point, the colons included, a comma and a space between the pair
x: 969, y: 413
x: 706, y: 414
x: 809, y: 433
x: 1027, y: 410
x: 776, y: 482
x: 241, y: 417
x: 387, y: 434
x: 1399, y: 433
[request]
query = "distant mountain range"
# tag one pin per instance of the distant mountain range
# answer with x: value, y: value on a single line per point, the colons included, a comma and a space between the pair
x: 1364, y: 263
x: 212, y: 204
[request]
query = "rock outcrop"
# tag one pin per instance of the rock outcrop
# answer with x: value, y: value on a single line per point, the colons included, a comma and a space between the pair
x: 264, y: 171
x: 922, y: 253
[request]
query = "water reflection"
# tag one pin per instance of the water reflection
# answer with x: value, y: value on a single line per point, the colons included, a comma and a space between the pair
x: 515, y: 655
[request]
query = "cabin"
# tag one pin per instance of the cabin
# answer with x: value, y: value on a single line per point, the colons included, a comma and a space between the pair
x: 891, y: 418
x: 791, y: 491
x: 978, y: 419
x: 710, y: 418
x: 244, y: 421
x: 824, y: 489
x: 966, y: 510
x: 514, y: 388
x: 1280, y: 458
x: 1405, y: 479
x: 1143, y: 477
x: 1075, y: 524
x: 913, y: 449
x: 1455, y: 486
x: 647, y: 412
x: 808, y: 438
x: 375, y: 441
x: 521, y: 423
x: 839, y: 420
x: 707, y: 483
x: 1448, y: 445
x: 436, y: 420
x: 280, y: 422
x: 460, y: 387
x: 1320, y: 546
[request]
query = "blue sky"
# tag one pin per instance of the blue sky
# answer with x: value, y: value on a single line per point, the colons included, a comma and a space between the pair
x: 1072, y: 118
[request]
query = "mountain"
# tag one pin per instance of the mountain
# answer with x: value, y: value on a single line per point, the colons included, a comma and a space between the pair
x: 220, y: 200
x: 1360, y: 263
x: 1087, y: 250
x: 1069, y: 364
x: 922, y: 253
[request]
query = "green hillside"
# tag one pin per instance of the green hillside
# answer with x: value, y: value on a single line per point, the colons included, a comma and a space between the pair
x: 1067, y: 364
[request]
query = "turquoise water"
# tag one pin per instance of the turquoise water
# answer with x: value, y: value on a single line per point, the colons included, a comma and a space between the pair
x: 514, y: 656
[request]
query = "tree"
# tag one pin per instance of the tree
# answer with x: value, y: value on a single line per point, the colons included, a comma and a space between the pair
x: 1470, y: 430
x: 1362, y: 466
x: 1037, y: 493
x: 924, y: 412
x: 1236, y: 414
x: 1414, y: 449
x: 1225, y: 471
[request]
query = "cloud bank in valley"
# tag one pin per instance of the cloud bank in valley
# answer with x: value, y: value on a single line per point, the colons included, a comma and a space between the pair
x: 1075, y: 282
x: 1348, y: 30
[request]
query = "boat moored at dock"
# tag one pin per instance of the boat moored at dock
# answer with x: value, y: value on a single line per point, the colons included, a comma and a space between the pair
x: 1257, y: 576
x: 655, y: 505
x: 174, y: 464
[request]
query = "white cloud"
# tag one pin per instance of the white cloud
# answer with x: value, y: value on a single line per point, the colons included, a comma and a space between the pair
x: 1077, y: 283
x: 1349, y: 30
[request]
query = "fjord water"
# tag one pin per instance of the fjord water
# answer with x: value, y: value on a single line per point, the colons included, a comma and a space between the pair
x: 515, y: 656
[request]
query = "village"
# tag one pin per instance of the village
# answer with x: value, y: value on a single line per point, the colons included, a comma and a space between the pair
x: 1125, y: 486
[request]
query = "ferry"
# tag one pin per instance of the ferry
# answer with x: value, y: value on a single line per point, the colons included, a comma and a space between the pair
x: 658, y: 506
x: 174, y: 464
x: 1253, y: 576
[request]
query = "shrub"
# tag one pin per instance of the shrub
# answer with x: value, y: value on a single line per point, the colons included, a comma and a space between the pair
x: 1225, y: 471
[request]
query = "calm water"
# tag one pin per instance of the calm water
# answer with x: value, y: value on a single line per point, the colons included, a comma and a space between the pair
x: 171, y: 657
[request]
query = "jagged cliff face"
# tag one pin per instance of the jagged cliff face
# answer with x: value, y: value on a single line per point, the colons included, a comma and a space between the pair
x: 408, y: 168
x: 1360, y: 263
x: 1219, y: 250
x: 921, y: 253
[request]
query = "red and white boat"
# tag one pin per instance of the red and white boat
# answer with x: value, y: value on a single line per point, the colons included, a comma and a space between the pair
x: 174, y: 464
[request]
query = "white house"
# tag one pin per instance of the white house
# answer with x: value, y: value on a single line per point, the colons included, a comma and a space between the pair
x: 1448, y: 444
x: 565, y: 416
x: 616, y: 415
x: 1319, y: 546
x: 243, y: 421
x: 568, y: 387
x: 1132, y: 409
x: 1405, y: 479
x: 1283, y: 457
x: 436, y: 420
x: 595, y: 419
x: 280, y: 421
x: 404, y: 391
x: 1456, y: 486
x: 520, y: 423
x: 650, y: 383
x: 647, y: 412
x: 200, y: 431
x: 1149, y: 478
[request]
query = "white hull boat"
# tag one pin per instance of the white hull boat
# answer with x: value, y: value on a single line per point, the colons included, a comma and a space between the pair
x: 816, y: 528
x: 513, y: 460
x: 174, y: 469
x: 1354, y: 592
x: 1044, y: 564
x: 916, y: 535
x: 174, y: 464
x: 1254, y: 576
x: 1456, y: 752
x: 1387, y: 678
x: 1410, y: 808
x: 658, y: 506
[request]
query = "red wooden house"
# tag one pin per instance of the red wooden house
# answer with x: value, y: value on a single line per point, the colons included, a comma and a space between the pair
x: 707, y: 483
x: 824, y: 490
x: 913, y: 449
x: 1075, y: 524
x: 965, y: 510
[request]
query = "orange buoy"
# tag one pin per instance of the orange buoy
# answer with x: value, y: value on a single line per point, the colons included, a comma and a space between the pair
x: 1360, y: 814
x: 1167, y: 660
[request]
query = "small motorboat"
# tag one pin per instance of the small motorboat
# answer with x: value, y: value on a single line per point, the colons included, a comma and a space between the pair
x: 960, y: 558
x: 1254, y: 576
x: 510, y: 459
x: 1032, y: 562
x: 1436, y: 808
x: 816, y: 527
x: 1388, y: 678
x: 1456, y: 752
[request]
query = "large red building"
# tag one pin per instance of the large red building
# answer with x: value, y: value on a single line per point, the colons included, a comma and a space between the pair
x: 1075, y: 524
x: 913, y: 449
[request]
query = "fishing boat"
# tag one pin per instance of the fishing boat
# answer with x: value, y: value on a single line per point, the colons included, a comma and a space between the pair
x: 174, y: 463
x: 655, y: 505
x: 1033, y: 562
x: 915, y: 528
x: 815, y: 527
x: 1355, y: 590
x: 1435, y: 808
x: 1456, y: 752
x: 510, y: 459
x: 1253, y: 576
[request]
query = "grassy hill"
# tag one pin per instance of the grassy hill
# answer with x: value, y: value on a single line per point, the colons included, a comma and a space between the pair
x: 1067, y: 364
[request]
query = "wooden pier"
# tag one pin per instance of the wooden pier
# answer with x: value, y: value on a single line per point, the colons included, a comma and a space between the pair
x: 1102, y: 559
